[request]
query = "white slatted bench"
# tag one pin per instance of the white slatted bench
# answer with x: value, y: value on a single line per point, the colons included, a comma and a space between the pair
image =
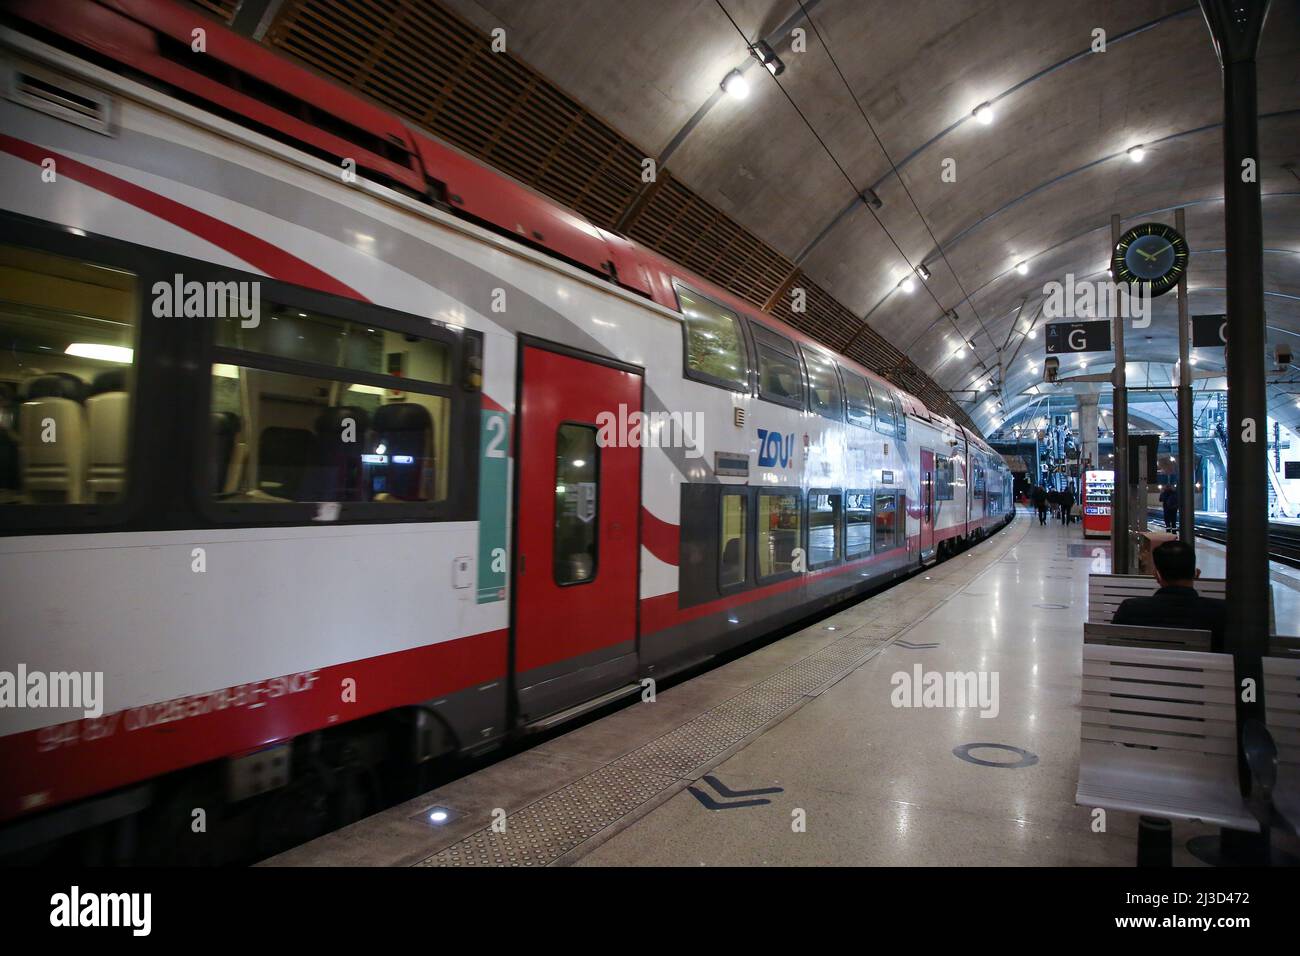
x: 1106, y: 592
x: 1158, y: 735
x: 1282, y: 712
x: 1132, y: 635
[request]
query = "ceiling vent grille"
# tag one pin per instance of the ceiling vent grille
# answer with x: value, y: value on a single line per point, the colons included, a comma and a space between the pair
x: 224, y: 9
x: 429, y: 65
x: 688, y: 229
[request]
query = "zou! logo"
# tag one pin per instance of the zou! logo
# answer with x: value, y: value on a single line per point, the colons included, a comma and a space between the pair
x: 214, y: 300
x: 775, y: 449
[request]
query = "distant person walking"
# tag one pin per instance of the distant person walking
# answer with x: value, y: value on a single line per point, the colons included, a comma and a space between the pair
x: 1169, y: 501
x: 1067, y: 504
x: 1039, y: 497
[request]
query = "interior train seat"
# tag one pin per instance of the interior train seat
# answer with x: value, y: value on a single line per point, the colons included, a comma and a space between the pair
x: 107, y: 417
x: 405, y: 429
x: 54, y: 471
x: 228, y: 452
x: 339, y: 476
x: 285, y: 457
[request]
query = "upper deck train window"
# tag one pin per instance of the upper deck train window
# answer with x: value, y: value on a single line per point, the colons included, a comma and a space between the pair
x: 312, y: 407
x: 780, y: 379
x: 67, y: 362
x: 943, y: 478
x: 715, y: 345
x: 823, y: 385
x: 900, y: 418
x: 884, y: 409
x: 857, y: 398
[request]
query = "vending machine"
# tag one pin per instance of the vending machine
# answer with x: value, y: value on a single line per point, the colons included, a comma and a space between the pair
x: 1098, y: 490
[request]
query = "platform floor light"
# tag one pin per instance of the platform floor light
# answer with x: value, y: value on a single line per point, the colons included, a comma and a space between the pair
x: 735, y: 85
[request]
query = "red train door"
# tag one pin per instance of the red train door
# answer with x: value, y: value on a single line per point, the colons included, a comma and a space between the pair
x: 927, y: 503
x: 576, y: 551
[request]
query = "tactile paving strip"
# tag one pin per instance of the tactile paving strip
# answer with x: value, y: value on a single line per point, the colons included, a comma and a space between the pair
x: 545, y: 830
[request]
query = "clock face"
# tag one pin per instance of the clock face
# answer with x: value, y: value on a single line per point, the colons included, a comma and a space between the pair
x: 1152, y: 255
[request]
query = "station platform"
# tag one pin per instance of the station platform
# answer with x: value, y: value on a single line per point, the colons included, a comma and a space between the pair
x: 796, y: 753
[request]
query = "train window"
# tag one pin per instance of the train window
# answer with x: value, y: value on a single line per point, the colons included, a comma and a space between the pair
x: 68, y: 331
x: 823, y: 385
x: 279, y: 438
x: 943, y: 478
x: 900, y: 419
x: 857, y: 398
x: 886, y: 521
x: 732, y: 539
x: 577, y: 503
x: 289, y: 332
x: 779, y: 531
x: 779, y: 377
x: 884, y: 404
x: 715, y: 345
x: 857, y: 524
x: 824, y: 509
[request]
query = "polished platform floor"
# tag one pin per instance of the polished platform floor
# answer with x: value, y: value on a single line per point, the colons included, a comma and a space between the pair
x: 797, y: 753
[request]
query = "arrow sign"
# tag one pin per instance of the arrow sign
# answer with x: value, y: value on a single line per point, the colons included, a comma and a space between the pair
x: 1209, y: 331
x: 1065, y: 337
x: 724, y: 791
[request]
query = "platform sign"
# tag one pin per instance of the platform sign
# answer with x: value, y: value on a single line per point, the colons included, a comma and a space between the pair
x: 1209, y: 331
x: 1066, y: 337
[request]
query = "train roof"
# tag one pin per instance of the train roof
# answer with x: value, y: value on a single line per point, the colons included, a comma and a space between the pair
x: 252, y: 84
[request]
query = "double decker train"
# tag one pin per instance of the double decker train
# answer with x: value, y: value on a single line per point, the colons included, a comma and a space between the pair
x: 324, y: 447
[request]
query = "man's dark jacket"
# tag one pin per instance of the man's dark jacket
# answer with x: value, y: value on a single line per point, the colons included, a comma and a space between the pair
x: 1177, y: 607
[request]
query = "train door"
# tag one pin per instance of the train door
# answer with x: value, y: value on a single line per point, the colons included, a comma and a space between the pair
x: 576, y: 530
x: 927, y: 503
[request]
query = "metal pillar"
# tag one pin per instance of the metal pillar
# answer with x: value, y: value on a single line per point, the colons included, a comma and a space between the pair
x: 1235, y: 27
x: 1089, y: 453
x: 1186, y: 421
x: 1119, y: 521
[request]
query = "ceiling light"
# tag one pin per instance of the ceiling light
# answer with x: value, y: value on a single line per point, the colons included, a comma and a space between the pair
x: 767, y: 56
x: 1022, y: 268
x: 970, y: 344
x: 984, y: 113
x: 908, y: 284
x: 1031, y: 334
x: 979, y: 387
x: 735, y: 85
x: 1083, y: 364
x: 1191, y: 360
x: 104, y: 353
x: 1136, y: 154
x: 871, y: 199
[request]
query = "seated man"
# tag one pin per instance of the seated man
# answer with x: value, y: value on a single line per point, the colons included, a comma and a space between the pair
x: 1176, y: 604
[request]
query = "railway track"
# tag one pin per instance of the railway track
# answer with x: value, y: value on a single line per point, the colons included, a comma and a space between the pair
x: 1283, y: 539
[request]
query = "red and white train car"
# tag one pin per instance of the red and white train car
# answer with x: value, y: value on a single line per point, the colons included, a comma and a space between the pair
x: 323, y: 445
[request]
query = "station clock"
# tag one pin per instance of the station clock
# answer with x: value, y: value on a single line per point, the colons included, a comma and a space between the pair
x: 1152, y: 255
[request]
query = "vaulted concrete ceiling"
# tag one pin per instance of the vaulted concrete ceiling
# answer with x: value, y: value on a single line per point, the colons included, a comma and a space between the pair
x: 1038, y: 185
